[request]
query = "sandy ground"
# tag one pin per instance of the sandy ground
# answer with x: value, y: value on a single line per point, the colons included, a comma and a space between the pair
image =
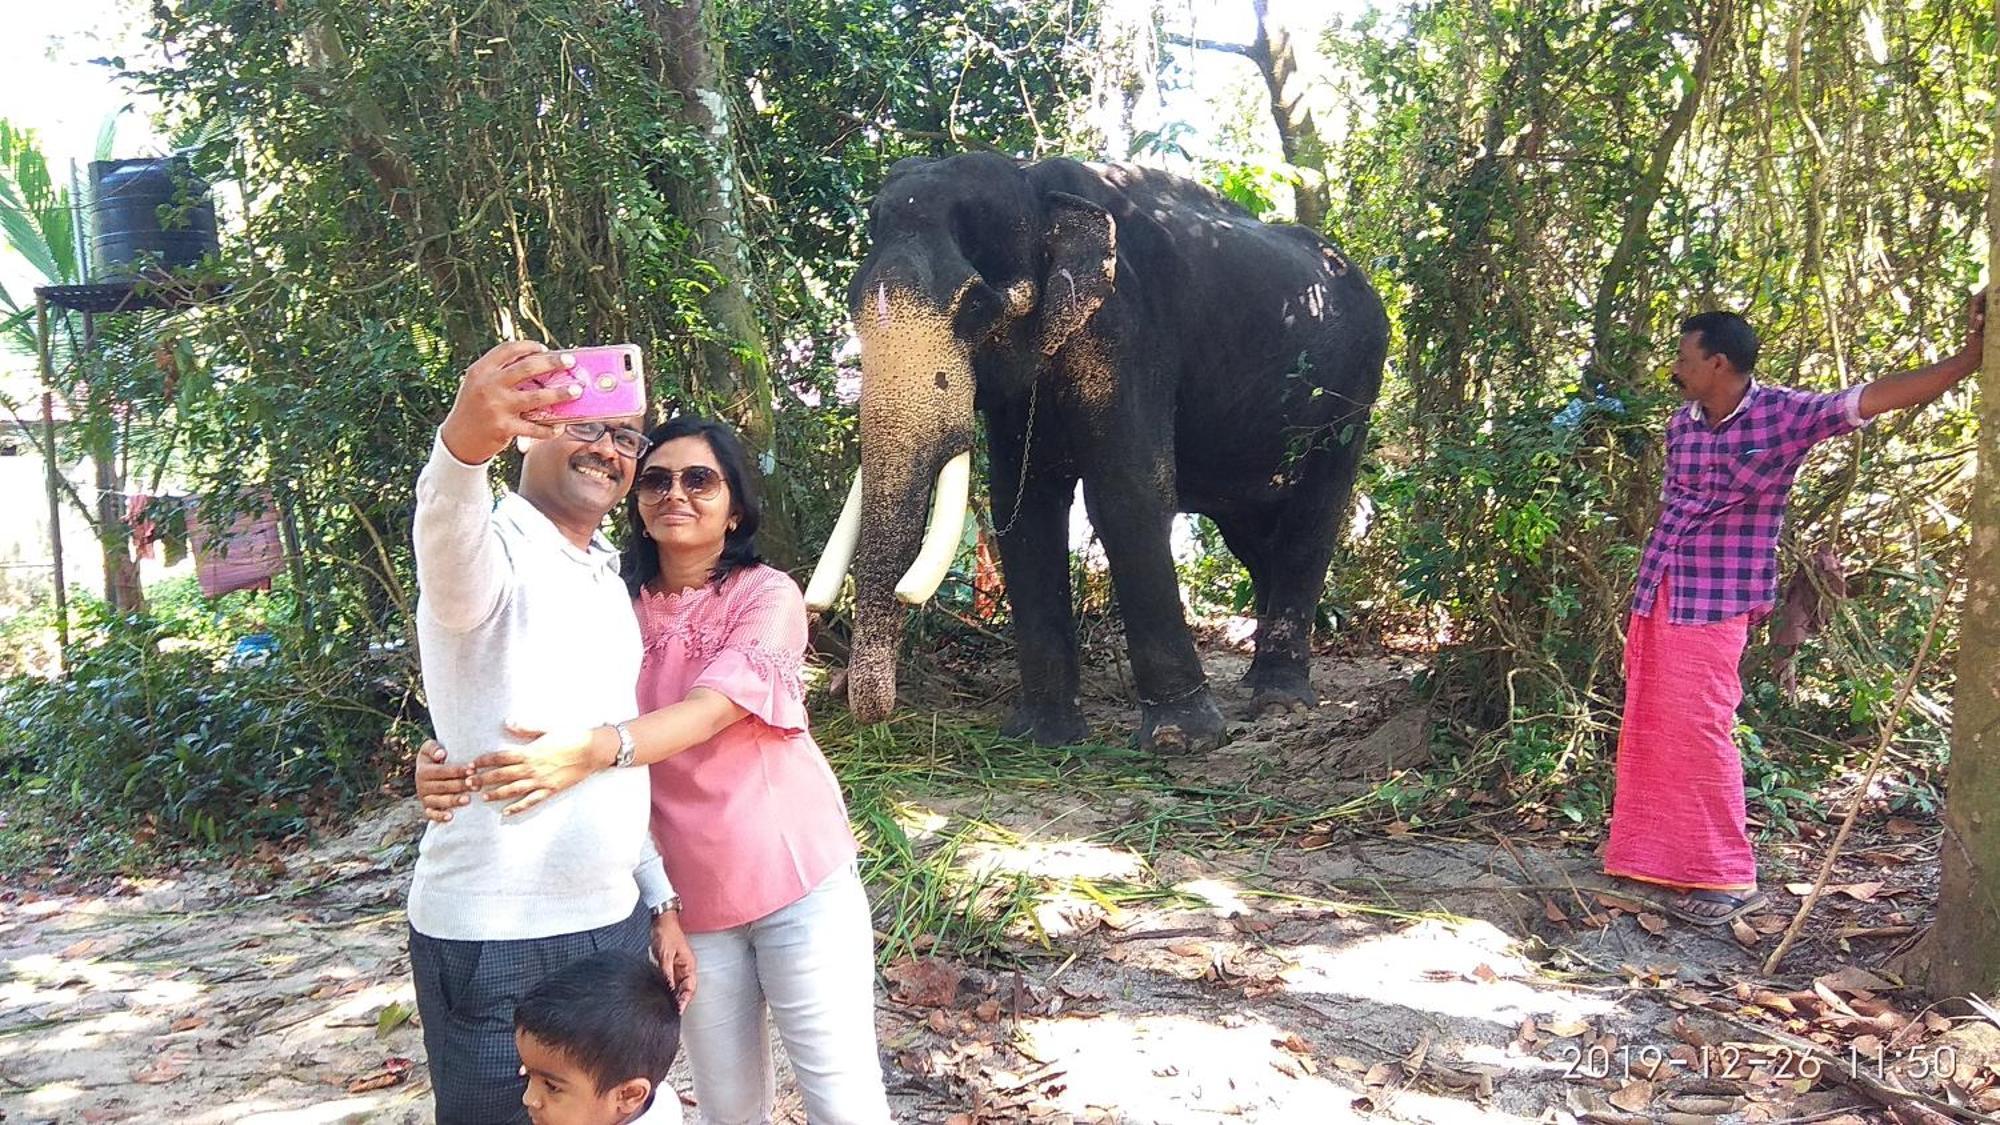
x: 1294, y: 977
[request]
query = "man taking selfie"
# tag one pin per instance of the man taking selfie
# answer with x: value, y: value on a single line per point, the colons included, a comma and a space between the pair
x: 523, y: 623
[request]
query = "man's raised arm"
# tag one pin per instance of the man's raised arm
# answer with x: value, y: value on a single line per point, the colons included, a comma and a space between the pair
x: 1915, y: 388
x: 460, y: 571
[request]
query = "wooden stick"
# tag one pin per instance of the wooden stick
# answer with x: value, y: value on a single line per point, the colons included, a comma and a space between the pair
x: 1889, y: 723
x: 1877, y: 932
x: 1838, y: 1069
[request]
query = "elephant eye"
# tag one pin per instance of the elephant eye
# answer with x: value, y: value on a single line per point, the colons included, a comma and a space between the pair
x: 978, y: 312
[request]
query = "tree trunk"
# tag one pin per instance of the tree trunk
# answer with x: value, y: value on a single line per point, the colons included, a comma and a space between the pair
x: 468, y: 326
x: 734, y: 369
x: 123, y: 591
x: 1121, y: 75
x: 1298, y: 136
x: 1962, y: 951
x: 1610, y: 341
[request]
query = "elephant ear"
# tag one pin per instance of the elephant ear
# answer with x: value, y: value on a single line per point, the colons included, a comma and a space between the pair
x: 1082, y: 244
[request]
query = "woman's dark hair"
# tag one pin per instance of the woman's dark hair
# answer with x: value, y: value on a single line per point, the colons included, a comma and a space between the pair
x: 640, y: 563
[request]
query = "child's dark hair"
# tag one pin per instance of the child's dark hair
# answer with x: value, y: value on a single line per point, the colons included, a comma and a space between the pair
x: 611, y: 1013
x: 641, y: 561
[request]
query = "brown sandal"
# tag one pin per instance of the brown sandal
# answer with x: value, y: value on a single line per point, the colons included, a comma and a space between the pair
x: 1738, y: 905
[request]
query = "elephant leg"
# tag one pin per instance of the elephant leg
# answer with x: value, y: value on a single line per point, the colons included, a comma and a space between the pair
x: 1301, y: 545
x: 1252, y: 540
x: 1132, y: 512
x: 1033, y: 525
x: 1248, y: 538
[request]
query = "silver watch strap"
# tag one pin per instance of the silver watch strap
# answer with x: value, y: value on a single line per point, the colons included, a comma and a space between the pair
x: 626, y: 747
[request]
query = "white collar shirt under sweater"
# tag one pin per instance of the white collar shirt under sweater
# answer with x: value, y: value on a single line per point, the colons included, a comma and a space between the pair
x: 516, y: 624
x: 664, y: 1110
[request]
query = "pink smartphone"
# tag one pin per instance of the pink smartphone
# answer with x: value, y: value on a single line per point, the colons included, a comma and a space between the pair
x: 614, y: 385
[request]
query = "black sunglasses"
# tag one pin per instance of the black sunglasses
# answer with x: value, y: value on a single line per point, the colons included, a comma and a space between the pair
x: 626, y: 440
x: 699, y: 481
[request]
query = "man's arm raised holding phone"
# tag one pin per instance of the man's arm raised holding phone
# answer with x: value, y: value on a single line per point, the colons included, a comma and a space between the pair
x: 460, y: 571
x: 491, y: 405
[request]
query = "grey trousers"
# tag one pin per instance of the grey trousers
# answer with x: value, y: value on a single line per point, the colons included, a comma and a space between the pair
x: 466, y: 991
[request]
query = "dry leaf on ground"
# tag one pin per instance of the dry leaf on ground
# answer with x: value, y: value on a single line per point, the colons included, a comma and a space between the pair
x: 393, y: 1072
x: 77, y: 951
x: 1634, y: 1096
x: 1851, y: 979
x: 923, y: 982
x: 166, y: 1068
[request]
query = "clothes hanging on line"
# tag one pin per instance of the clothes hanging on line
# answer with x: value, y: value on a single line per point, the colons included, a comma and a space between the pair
x: 243, y: 554
x: 158, y: 521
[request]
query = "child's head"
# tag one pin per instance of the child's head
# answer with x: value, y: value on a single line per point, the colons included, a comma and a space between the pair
x: 596, y: 1039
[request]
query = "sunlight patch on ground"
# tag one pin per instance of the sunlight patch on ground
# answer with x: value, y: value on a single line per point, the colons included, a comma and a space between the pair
x: 1223, y: 897
x: 1069, y: 870
x: 916, y: 821
x: 322, y: 1113
x: 1438, y: 967
x: 1055, y: 860
x: 54, y: 1094
x: 62, y: 980
x: 1159, y: 1068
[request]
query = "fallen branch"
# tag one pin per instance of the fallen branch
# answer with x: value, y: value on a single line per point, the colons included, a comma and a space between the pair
x: 1889, y: 724
x: 1876, y: 932
x: 1824, y: 1115
x: 1986, y: 1010
x: 1840, y: 1070
x: 1177, y: 932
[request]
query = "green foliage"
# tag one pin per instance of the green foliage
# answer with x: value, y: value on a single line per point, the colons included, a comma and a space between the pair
x: 832, y: 94
x: 1487, y: 173
x: 169, y: 738
x: 407, y: 185
x: 1773, y: 790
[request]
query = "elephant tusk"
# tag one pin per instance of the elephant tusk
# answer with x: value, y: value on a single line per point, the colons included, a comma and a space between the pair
x: 831, y: 572
x: 941, y: 537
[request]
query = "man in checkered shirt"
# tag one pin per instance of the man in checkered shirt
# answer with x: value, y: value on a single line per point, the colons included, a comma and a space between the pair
x: 1708, y: 573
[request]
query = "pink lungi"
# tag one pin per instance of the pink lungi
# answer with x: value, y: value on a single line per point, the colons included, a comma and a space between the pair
x: 1677, y: 816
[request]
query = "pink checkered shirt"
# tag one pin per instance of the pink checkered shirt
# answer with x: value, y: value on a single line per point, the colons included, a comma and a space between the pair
x: 1725, y: 495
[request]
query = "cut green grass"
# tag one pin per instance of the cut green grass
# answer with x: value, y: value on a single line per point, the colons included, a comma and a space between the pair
x: 926, y: 791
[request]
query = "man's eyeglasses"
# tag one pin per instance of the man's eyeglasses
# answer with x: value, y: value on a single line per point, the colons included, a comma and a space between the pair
x: 699, y: 481
x: 626, y: 440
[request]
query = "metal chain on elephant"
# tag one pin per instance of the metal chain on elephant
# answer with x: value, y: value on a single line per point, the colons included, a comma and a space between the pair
x: 1027, y: 439
x: 1181, y: 698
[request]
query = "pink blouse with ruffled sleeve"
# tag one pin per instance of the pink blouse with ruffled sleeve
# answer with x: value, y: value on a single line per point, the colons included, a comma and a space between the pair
x: 751, y: 820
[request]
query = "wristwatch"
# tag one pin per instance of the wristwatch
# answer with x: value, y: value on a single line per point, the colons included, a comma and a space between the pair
x: 673, y: 904
x: 626, y: 747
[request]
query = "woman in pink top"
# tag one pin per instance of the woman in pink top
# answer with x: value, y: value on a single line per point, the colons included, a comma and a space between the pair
x: 746, y: 812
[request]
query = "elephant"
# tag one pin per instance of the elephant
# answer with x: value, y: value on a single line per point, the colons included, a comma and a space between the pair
x: 1129, y: 329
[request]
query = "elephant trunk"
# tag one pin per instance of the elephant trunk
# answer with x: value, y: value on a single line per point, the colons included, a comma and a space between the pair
x: 916, y: 442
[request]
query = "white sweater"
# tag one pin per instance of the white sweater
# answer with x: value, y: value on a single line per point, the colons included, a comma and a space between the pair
x: 517, y: 624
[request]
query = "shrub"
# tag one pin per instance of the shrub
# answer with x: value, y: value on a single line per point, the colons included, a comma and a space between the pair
x: 171, y: 738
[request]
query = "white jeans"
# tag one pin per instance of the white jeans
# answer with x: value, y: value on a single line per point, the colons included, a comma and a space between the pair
x: 811, y: 966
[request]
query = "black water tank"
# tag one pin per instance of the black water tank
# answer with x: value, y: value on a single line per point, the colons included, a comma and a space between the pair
x: 146, y: 214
